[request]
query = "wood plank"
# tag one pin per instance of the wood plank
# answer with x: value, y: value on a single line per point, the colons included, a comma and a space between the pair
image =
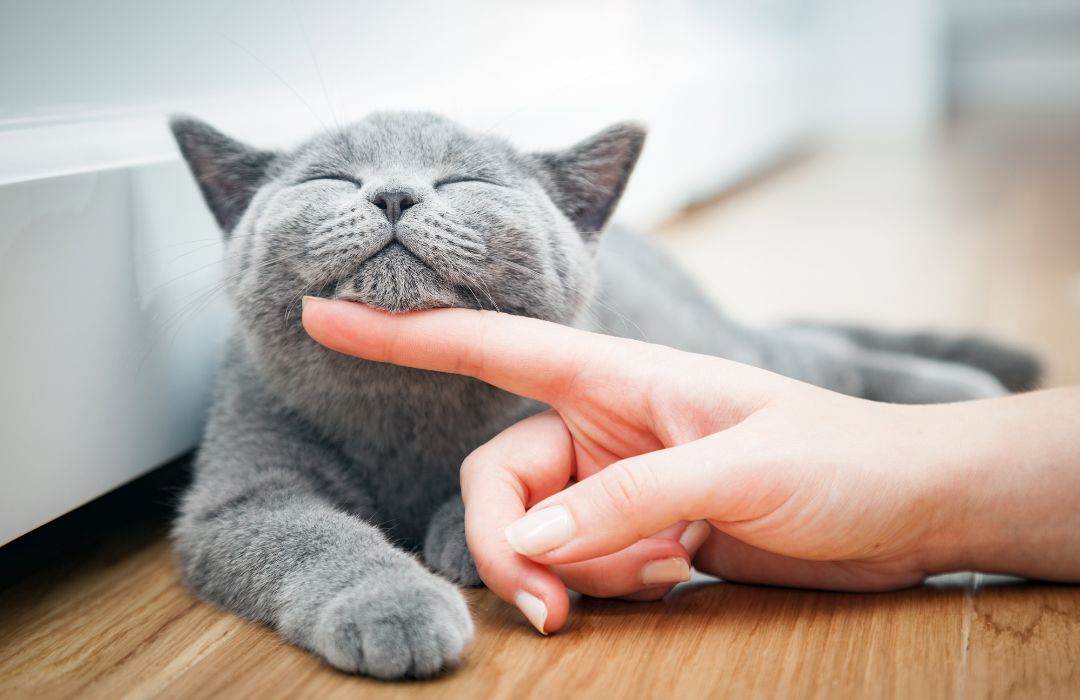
x: 1024, y: 642
x: 127, y: 628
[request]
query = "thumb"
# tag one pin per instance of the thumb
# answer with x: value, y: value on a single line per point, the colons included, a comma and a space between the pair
x: 628, y: 501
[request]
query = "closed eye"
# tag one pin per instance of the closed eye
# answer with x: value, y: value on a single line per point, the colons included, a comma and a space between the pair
x: 466, y: 179
x: 331, y: 178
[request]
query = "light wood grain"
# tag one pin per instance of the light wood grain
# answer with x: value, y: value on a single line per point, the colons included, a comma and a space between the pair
x: 125, y: 627
x: 978, y: 233
x: 1024, y: 642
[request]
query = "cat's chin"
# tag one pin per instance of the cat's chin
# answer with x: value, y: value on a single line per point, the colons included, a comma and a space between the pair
x: 400, y: 305
x: 395, y: 280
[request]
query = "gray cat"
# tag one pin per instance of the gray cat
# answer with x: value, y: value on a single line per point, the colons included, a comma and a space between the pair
x: 321, y: 475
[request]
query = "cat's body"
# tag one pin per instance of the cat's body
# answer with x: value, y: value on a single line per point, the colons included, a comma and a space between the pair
x: 320, y: 473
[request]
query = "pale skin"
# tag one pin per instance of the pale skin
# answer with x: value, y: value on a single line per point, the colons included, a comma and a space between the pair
x: 651, y: 460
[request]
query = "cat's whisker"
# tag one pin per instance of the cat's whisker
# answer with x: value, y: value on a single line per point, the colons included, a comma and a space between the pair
x: 315, y: 63
x: 450, y: 225
x: 487, y: 293
x: 170, y: 328
x: 590, y: 299
x: 219, y: 261
x: 320, y: 279
x: 192, y: 303
x: 474, y: 247
x: 196, y: 249
x: 280, y: 79
x: 190, y: 242
x: 475, y: 298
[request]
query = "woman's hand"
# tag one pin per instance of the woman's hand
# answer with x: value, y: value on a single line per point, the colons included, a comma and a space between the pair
x: 799, y: 486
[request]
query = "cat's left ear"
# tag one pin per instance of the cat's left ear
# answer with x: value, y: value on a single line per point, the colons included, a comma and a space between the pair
x: 587, y: 180
x: 228, y: 171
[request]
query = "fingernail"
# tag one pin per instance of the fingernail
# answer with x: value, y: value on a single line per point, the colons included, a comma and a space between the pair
x: 304, y: 301
x: 695, y: 535
x: 673, y: 570
x: 541, y: 531
x: 533, y: 608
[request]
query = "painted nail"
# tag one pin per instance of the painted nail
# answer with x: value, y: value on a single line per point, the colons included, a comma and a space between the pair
x: 672, y: 570
x: 695, y: 535
x: 541, y: 531
x: 533, y: 608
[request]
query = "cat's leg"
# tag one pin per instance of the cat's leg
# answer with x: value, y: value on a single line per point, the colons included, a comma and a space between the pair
x: 899, y: 378
x: 835, y: 362
x: 445, y: 549
x: 1016, y: 369
x: 263, y: 533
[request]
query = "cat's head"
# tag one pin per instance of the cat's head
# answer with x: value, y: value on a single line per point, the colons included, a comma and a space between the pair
x: 408, y: 211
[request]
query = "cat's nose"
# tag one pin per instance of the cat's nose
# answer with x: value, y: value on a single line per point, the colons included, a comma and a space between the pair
x: 393, y: 203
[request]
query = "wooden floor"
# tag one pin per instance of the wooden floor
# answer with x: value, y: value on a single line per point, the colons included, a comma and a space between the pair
x: 982, y: 232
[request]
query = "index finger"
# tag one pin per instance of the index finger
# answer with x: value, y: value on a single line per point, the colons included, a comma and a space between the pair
x: 525, y: 356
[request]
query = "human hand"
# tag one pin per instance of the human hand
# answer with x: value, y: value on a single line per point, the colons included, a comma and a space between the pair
x: 801, y: 486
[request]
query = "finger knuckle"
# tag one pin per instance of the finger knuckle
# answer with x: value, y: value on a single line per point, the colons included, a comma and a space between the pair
x: 624, y: 488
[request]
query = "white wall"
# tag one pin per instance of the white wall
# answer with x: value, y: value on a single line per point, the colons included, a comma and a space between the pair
x: 880, y: 67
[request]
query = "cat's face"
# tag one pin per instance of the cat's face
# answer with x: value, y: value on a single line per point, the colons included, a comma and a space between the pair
x: 408, y: 211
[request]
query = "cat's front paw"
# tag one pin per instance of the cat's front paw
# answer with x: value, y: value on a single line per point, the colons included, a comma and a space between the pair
x: 411, y: 628
x: 445, y: 549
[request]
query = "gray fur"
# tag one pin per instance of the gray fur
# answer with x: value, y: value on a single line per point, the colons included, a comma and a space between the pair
x: 445, y: 549
x: 1016, y: 369
x: 321, y: 475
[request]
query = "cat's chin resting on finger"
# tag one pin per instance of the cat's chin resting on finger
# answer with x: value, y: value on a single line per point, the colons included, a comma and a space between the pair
x: 321, y: 477
x: 396, y: 280
x: 399, y: 306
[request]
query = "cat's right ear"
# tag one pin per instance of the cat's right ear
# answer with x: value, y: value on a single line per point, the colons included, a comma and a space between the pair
x: 228, y: 172
x: 587, y: 180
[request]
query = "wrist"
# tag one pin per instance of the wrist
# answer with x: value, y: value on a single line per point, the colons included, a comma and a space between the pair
x: 1002, y: 487
x: 959, y: 493
x: 940, y: 510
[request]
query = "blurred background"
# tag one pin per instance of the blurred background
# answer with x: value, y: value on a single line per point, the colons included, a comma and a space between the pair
x: 899, y: 163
